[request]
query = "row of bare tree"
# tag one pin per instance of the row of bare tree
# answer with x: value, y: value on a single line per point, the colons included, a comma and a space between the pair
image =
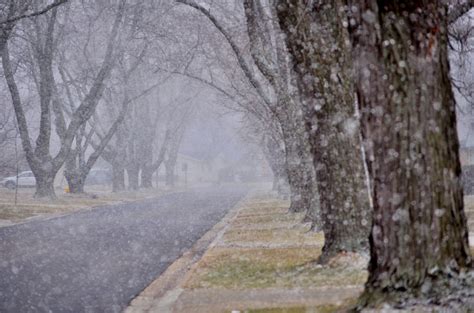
x: 353, y: 104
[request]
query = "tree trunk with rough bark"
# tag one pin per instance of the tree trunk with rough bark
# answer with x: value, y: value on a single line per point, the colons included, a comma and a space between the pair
x: 419, y: 237
x: 320, y: 49
x: 270, y: 57
x: 299, y: 164
x: 44, y: 184
x: 73, y: 174
x: 274, y: 151
x: 75, y: 182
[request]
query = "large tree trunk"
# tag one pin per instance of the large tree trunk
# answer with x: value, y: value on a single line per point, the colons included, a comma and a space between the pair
x: 75, y: 183
x: 44, y: 185
x: 320, y: 50
x: 419, y: 238
x: 299, y: 164
x: 269, y: 55
x: 74, y: 177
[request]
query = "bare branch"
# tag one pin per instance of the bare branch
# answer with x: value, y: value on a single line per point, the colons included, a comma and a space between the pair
x: 459, y: 10
x: 89, y: 103
x: 246, y: 68
x: 36, y: 13
x: 17, y: 105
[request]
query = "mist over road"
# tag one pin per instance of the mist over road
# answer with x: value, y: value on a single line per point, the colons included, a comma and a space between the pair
x: 97, y: 261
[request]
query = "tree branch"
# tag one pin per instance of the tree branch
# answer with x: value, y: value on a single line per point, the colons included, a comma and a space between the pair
x: 459, y: 10
x: 27, y: 15
x: 258, y: 44
x: 88, y: 105
x: 106, y: 139
x: 17, y: 106
x: 246, y: 68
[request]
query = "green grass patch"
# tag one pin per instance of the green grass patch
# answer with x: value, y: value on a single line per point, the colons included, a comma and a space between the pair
x: 267, y: 268
x: 267, y: 218
x: 330, y: 308
x: 274, y: 236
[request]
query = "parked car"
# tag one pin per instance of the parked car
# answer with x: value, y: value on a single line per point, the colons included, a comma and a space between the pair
x: 25, y: 179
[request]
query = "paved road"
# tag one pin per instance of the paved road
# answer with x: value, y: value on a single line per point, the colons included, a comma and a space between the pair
x: 97, y: 261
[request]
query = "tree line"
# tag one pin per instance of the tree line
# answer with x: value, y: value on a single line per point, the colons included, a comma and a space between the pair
x: 352, y: 102
x: 87, y: 65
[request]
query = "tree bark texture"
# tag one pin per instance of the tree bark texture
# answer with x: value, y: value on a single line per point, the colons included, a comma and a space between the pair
x: 44, y: 184
x: 299, y: 164
x: 73, y: 174
x: 320, y: 50
x: 274, y: 152
x: 419, y: 237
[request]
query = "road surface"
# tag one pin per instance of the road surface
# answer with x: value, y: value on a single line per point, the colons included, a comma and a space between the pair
x: 97, y: 261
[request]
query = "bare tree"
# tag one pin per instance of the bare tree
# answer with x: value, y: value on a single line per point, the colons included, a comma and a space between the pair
x: 43, y: 165
x: 274, y: 94
x: 13, y: 11
x: 322, y: 63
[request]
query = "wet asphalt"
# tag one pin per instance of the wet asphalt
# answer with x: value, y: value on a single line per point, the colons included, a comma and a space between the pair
x: 99, y: 260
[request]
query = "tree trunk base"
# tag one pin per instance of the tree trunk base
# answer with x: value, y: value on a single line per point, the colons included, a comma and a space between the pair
x: 45, y: 193
x: 75, y: 183
x: 297, y: 206
x: 45, y: 188
x: 76, y: 189
x: 442, y: 292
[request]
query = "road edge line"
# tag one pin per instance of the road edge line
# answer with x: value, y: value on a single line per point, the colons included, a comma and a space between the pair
x: 164, y: 290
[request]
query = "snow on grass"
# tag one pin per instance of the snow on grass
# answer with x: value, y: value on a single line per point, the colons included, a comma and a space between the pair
x: 267, y: 247
x: 27, y: 206
x: 270, y: 268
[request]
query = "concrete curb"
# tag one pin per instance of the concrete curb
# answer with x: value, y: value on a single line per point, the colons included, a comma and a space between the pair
x: 162, y: 293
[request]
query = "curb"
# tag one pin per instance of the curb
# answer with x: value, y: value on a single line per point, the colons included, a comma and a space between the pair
x: 162, y: 293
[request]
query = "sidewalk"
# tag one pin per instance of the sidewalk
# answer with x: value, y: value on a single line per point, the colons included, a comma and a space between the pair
x: 257, y: 259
